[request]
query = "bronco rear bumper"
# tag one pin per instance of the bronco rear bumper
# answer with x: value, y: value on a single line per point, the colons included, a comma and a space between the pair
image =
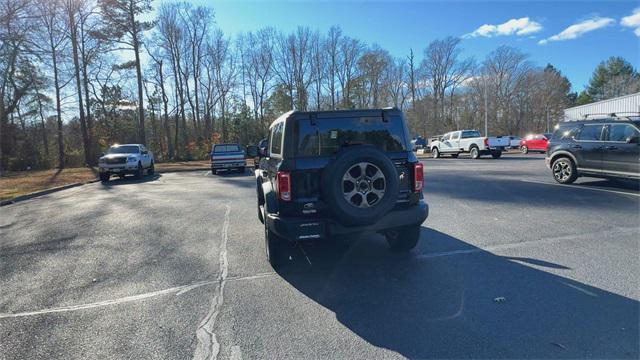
x: 298, y: 228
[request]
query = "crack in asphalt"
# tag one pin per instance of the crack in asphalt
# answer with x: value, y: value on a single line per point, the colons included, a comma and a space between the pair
x: 208, y: 346
x: 179, y: 290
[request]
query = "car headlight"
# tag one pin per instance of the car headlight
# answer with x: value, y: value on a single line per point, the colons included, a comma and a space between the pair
x: 131, y: 159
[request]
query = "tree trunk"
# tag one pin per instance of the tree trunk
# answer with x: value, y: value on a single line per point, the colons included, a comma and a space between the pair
x: 165, y: 103
x: 136, y: 49
x: 56, y: 84
x: 43, y: 125
x: 76, y: 64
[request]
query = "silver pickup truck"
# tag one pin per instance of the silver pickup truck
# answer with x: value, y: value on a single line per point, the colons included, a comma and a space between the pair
x: 471, y: 142
x: 227, y: 157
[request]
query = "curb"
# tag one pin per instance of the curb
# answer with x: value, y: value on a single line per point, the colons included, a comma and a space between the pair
x: 44, y: 192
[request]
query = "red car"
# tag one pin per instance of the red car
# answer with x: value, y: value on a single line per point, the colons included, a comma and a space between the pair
x: 534, y: 142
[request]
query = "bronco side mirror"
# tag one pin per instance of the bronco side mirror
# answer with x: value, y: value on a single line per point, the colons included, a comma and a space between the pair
x: 632, y: 140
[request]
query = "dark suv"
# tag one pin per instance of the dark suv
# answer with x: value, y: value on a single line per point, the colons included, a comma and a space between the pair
x: 331, y: 173
x: 607, y: 147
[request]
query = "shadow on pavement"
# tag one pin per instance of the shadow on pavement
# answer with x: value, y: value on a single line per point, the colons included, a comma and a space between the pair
x: 471, y: 305
x: 613, y: 184
x: 518, y: 190
x: 130, y: 179
x: 234, y: 173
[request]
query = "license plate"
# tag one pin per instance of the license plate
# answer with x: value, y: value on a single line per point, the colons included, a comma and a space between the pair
x: 310, y: 231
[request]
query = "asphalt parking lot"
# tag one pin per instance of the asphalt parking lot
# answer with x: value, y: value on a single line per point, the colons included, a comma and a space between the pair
x: 510, y: 265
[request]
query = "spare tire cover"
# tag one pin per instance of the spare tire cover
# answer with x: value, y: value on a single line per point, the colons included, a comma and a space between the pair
x: 360, y: 186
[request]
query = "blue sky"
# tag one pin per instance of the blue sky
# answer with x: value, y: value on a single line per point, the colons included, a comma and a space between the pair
x: 601, y: 28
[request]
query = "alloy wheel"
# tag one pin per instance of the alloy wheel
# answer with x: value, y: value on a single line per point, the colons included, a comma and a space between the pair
x: 562, y: 170
x: 363, y: 185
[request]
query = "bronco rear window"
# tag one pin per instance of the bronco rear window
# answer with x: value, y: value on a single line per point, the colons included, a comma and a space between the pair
x: 327, y: 136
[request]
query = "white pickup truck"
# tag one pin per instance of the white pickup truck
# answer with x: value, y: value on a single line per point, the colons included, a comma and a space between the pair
x: 469, y: 141
x: 126, y: 159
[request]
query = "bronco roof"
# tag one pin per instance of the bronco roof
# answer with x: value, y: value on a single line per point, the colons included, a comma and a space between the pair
x: 300, y: 115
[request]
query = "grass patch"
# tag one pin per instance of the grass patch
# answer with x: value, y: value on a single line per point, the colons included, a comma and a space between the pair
x: 13, y: 184
x: 18, y: 183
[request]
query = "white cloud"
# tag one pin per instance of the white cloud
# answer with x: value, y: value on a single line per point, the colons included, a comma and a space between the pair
x: 632, y: 21
x: 522, y: 26
x: 578, y: 29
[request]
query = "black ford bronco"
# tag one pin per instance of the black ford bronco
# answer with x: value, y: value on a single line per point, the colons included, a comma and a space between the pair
x: 330, y: 173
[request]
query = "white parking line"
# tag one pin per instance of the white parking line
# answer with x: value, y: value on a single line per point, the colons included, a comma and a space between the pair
x: 582, y: 187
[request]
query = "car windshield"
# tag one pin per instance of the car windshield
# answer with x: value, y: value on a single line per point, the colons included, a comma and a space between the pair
x: 225, y: 148
x: 126, y: 149
x: 327, y: 136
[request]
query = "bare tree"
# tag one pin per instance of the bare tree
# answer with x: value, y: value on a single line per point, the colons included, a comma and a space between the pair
x: 72, y: 9
x: 318, y: 66
x: 122, y: 25
x: 443, y: 70
x: 350, y: 51
x: 196, y: 21
x: 332, y: 52
x: 55, y: 28
x: 258, y: 74
x: 506, y: 70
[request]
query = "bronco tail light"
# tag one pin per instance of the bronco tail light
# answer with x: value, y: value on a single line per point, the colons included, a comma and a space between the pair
x: 418, y: 177
x: 284, y: 185
x: 486, y: 142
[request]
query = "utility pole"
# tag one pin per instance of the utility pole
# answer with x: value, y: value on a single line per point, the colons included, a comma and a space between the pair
x: 486, y: 110
x: 547, y: 112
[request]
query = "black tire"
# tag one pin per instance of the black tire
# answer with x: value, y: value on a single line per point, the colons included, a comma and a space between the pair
x: 241, y: 169
x: 496, y: 154
x: 345, y: 207
x: 261, y: 213
x: 213, y: 171
x: 524, y: 149
x: 403, y: 239
x: 151, y: 170
x: 455, y: 156
x: 474, y: 152
x: 564, y: 170
x: 139, y: 172
x: 274, y: 248
x: 104, y: 177
x: 435, y: 153
x: 261, y: 201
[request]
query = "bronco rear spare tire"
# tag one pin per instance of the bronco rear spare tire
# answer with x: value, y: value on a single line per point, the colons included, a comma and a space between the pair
x: 360, y: 186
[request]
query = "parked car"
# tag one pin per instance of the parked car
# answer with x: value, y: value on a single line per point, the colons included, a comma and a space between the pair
x: 607, y: 148
x: 514, y: 142
x: 535, y: 142
x: 469, y: 141
x: 332, y: 173
x: 227, y: 157
x: 126, y: 159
